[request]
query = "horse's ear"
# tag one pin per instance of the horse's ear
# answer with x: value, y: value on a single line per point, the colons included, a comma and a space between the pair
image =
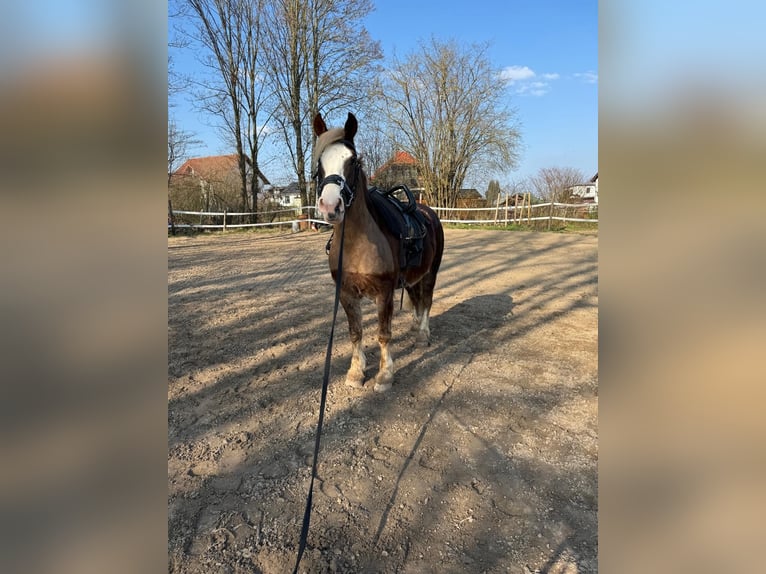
x: 350, y: 127
x: 319, y: 126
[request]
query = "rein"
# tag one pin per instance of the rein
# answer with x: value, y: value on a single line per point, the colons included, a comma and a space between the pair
x: 323, y: 401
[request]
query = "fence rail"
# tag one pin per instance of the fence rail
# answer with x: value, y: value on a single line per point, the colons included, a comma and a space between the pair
x: 503, y: 215
x: 511, y: 215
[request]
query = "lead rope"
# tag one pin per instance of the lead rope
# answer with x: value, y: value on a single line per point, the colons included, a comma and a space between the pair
x: 325, y: 383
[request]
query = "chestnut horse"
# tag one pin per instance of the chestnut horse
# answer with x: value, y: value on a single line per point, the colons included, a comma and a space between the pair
x: 371, y: 263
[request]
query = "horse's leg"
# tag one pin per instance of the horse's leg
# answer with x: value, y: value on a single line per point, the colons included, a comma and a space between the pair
x: 423, y: 297
x: 385, y: 377
x: 410, y: 304
x: 353, y: 307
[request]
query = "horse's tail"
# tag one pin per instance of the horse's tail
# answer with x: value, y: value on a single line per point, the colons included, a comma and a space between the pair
x: 436, y: 225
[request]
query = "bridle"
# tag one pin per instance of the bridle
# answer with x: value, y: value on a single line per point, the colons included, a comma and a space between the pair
x: 347, y: 192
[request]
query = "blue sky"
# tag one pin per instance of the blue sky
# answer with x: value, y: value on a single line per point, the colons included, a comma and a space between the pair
x: 547, y: 49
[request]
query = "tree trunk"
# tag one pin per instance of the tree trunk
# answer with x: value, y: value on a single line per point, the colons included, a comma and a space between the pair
x: 170, y: 218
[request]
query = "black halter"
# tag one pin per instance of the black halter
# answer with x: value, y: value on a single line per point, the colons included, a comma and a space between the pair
x: 348, y: 193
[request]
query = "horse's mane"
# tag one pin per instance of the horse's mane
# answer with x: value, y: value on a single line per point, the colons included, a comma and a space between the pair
x: 330, y: 136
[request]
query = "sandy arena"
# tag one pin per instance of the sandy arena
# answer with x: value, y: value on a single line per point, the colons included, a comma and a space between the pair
x: 481, y: 458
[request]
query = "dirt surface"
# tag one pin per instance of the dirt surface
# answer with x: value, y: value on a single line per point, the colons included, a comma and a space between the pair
x: 481, y: 458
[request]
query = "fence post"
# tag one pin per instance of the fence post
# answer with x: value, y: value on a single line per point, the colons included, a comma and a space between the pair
x: 529, y: 209
x: 225, y: 211
x: 515, y: 208
x: 550, y: 215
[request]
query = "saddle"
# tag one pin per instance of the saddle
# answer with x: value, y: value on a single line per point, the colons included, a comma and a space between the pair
x: 403, y: 219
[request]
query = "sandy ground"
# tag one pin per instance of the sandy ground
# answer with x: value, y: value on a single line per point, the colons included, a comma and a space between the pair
x: 482, y: 457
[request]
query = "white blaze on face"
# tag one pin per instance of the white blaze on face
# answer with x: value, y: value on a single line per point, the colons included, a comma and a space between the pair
x: 330, y: 203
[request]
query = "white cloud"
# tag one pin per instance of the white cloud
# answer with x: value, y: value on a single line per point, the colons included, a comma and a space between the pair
x: 513, y: 74
x: 526, y: 82
x: 263, y: 130
x: 532, y: 89
x: 588, y: 77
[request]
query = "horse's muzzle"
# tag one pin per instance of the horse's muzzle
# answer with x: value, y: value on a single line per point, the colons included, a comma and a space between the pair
x: 330, y: 213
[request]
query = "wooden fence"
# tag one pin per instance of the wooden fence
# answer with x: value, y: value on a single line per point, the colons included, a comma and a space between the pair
x: 302, y: 218
x: 525, y: 214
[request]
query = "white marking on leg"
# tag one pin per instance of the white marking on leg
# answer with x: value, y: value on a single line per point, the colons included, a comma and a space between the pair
x: 415, y: 326
x: 355, y: 375
x: 424, y: 322
x: 424, y: 332
x: 385, y: 377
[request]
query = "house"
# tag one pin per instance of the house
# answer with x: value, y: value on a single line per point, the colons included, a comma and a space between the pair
x: 209, y: 169
x: 216, y: 169
x: 211, y: 183
x: 402, y: 168
x: 516, y: 199
x: 289, y: 196
x: 585, y: 192
x: 469, y: 197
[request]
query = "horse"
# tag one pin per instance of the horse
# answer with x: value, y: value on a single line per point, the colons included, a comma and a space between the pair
x: 371, y: 264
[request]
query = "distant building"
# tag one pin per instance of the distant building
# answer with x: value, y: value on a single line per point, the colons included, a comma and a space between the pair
x: 400, y: 169
x: 516, y: 199
x: 214, y: 169
x: 470, y: 197
x: 585, y: 192
x: 215, y: 180
x: 288, y: 196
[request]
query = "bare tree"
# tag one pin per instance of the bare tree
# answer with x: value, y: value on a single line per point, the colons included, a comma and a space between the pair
x: 450, y: 108
x: 554, y: 183
x: 177, y: 82
x: 229, y: 30
x: 255, y: 95
x: 320, y: 57
x: 180, y: 143
x: 375, y: 142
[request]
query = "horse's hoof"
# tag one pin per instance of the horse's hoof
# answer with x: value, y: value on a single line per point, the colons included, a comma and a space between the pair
x: 355, y: 382
x: 422, y: 341
x: 383, y: 381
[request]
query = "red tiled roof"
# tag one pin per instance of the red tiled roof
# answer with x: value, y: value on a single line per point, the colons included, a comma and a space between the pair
x: 213, y: 167
x: 400, y: 158
x: 210, y: 167
x: 404, y: 158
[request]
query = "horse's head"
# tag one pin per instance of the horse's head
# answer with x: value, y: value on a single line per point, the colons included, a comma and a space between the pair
x: 335, y: 168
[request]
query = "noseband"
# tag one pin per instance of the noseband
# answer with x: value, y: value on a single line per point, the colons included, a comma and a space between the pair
x: 348, y: 193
